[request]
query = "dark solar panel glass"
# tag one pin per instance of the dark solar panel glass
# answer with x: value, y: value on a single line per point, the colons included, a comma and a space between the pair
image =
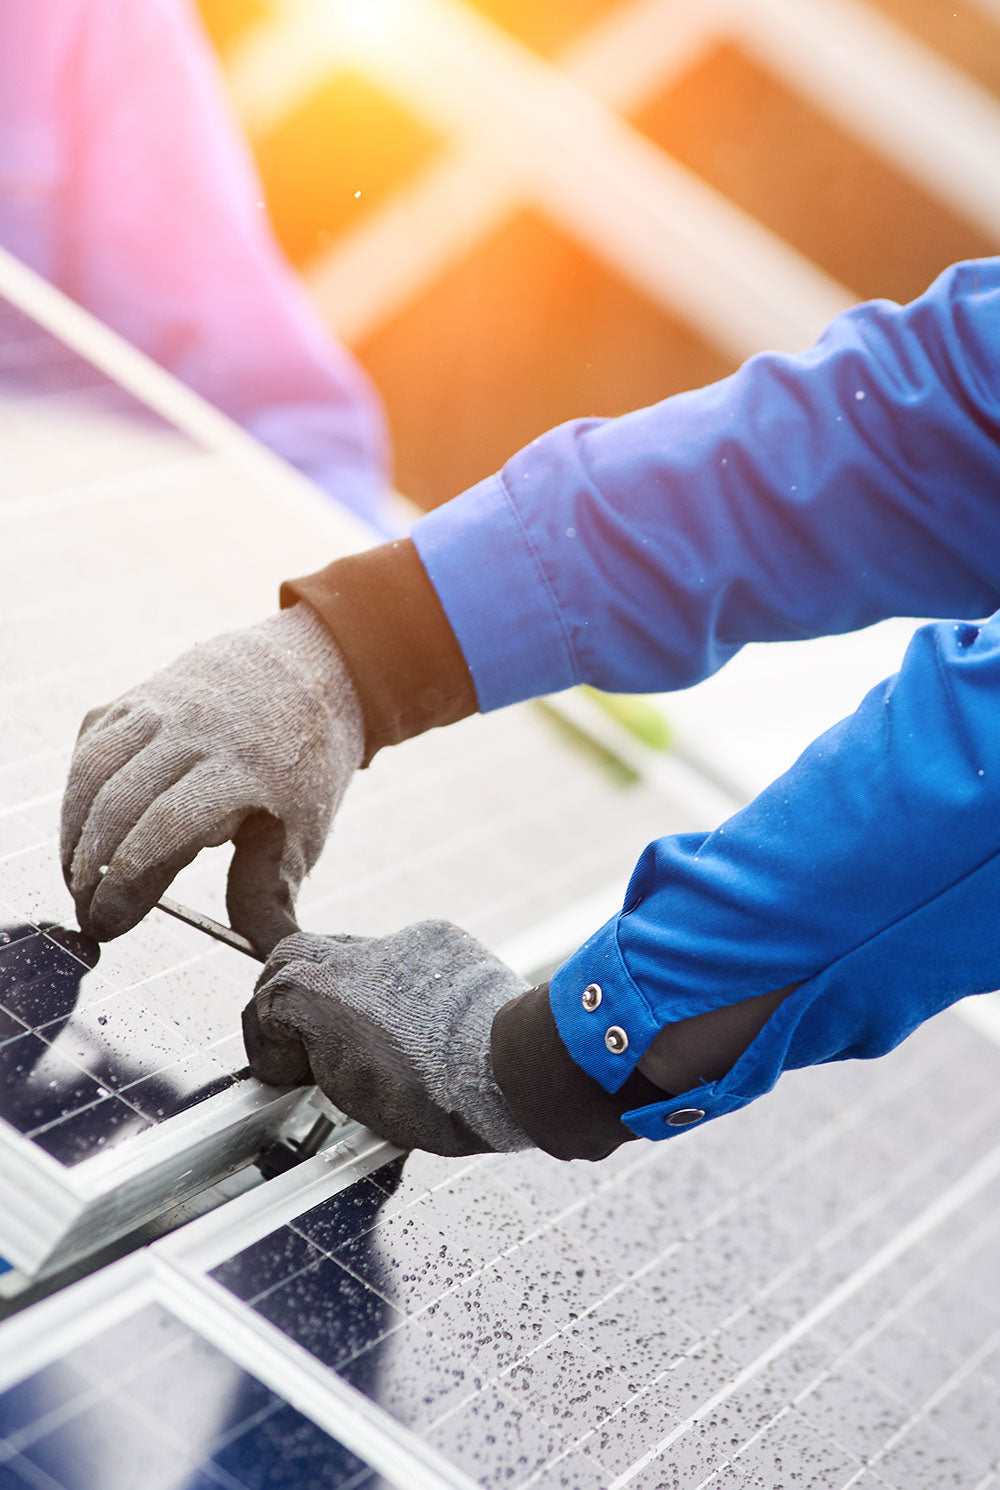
x: 151, y: 1403
x: 85, y: 1064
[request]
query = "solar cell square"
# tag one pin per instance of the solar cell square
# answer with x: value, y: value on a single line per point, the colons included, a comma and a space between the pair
x: 979, y: 1269
x: 483, y: 1322
x: 565, y: 1382
x: 266, y: 1264
x: 413, y: 1177
x: 988, y: 1368
x: 479, y: 1220
x: 85, y: 1133
x: 37, y: 1399
x: 633, y: 1431
x: 105, y: 435
x: 697, y: 1451
x: 855, y: 1411
x: 573, y: 1472
x: 119, y: 1039
x: 142, y: 1334
x: 640, y: 1339
x: 231, y: 1051
x: 344, y: 1216
x: 197, y: 1390
x: 411, y: 1376
x: 40, y: 981
x: 555, y: 1274
x: 690, y: 1408
x: 790, y: 1447
x: 548, y: 1190
x: 38, y: 1086
x: 895, y: 1291
x: 159, y: 946
x: 967, y: 1317
x: 407, y: 1259
x: 328, y: 1311
x: 749, y: 1408
x: 78, y: 1453
x: 819, y: 1275
x: 31, y: 883
x: 903, y: 1360
x: 494, y: 1440
x: 871, y: 1480
x: 710, y: 1279
x: 284, y: 1451
x: 817, y: 1187
x: 19, y: 830
x: 699, y: 1187
x: 184, y: 1084
x: 204, y: 999
x: 923, y: 1456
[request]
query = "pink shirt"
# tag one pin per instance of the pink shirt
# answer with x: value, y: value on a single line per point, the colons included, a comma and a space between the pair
x: 124, y: 180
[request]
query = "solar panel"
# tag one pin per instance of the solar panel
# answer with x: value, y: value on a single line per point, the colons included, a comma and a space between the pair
x: 148, y: 1399
x: 804, y: 1292
x: 807, y: 1292
x: 71, y: 1417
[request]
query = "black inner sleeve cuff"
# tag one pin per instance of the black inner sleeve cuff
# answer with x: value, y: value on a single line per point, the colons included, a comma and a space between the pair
x: 562, y: 1109
x: 385, y: 616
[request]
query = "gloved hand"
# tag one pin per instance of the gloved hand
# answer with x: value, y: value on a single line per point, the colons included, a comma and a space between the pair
x: 252, y: 736
x: 395, y: 1030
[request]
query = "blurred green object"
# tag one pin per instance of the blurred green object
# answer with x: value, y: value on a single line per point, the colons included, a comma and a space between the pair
x: 636, y: 713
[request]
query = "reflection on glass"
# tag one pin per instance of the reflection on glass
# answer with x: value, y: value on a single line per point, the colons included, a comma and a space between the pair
x: 81, y: 1064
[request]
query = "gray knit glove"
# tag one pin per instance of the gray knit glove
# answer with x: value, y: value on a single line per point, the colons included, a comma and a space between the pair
x: 395, y: 1030
x: 252, y: 736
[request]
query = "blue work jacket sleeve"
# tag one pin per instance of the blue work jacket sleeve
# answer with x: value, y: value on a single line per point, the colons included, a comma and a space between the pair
x: 868, y: 871
x: 804, y: 495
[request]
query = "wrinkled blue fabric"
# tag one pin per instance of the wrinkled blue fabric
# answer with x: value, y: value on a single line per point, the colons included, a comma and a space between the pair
x: 805, y: 495
x: 124, y: 181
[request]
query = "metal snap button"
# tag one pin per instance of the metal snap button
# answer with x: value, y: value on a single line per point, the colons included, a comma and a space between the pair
x: 592, y: 995
x: 616, y: 1039
x: 685, y: 1116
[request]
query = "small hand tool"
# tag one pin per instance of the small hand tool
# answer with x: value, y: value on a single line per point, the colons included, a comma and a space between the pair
x: 283, y: 1154
x: 211, y: 928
